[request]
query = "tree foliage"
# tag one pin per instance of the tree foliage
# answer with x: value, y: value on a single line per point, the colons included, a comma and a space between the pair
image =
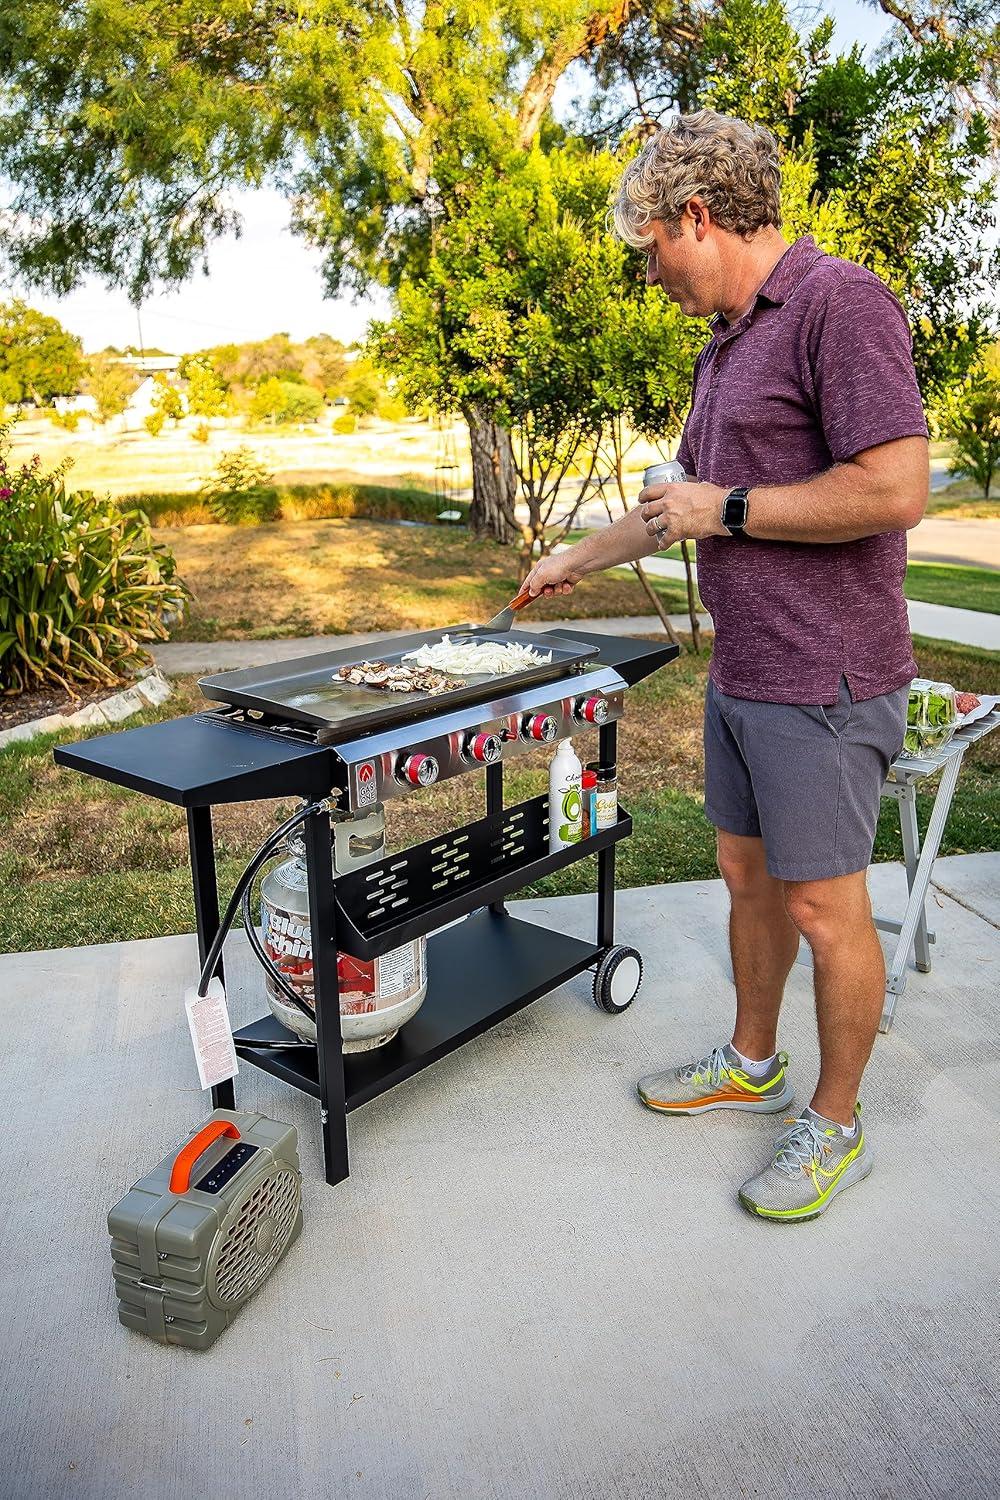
x: 971, y: 418
x: 39, y: 359
x: 886, y: 161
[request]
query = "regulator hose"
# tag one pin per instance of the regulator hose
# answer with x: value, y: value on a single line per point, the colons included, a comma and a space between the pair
x: 267, y: 962
x: 266, y: 851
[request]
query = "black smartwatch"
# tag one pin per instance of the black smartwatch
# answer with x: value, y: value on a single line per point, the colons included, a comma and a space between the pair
x: 735, y: 508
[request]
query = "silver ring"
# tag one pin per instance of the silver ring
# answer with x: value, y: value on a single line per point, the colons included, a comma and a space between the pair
x: 659, y: 529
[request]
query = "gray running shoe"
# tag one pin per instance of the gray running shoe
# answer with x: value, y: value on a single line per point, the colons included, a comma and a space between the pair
x: 718, y: 1082
x: 812, y: 1163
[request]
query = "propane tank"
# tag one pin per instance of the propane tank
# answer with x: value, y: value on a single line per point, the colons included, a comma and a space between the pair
x: 377, y: 995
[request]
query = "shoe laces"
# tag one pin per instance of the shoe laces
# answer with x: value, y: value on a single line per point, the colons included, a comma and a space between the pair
x: 800, y: 1148
x: 709, y: 1070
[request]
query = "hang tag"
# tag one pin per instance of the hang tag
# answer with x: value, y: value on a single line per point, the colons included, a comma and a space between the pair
x: 211, y: 1034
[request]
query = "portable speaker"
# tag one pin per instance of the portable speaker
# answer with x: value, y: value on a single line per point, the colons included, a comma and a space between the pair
x: 189, y: 1248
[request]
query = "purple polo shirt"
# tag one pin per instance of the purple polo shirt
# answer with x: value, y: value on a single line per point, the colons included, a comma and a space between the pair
x: 818, y: 370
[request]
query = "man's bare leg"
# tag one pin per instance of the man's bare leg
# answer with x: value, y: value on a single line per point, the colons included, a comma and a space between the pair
x: 835, y: 918
x: 763, y: 942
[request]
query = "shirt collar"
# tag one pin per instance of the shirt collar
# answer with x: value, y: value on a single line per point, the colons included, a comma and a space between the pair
x: 778, y: 287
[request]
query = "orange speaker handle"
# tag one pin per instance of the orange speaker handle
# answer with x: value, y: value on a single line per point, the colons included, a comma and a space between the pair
x: 180, y: 1176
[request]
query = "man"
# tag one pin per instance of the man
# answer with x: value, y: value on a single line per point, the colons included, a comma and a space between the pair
x: 807, y: 447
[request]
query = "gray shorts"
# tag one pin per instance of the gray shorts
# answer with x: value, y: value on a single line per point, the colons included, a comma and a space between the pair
x: 804, y: 778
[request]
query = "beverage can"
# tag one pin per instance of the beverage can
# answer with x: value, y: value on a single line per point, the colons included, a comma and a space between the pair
x: 671, y: 473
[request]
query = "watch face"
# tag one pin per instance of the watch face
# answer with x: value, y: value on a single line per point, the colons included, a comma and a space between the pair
x: 735, y: 510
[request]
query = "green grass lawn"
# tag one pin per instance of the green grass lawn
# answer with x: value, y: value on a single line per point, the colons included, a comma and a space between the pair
x: 948, y: 583
x: 82, y: 861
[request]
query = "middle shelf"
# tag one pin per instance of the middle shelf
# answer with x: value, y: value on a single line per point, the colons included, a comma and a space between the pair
x: 421, y: 888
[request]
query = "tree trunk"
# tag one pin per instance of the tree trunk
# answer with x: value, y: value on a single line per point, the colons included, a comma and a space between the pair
x: 494, y: 480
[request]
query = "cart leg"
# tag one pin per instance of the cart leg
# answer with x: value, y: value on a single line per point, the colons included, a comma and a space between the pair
x: 921, y: 880
x: 607, y: 754
x: 911, y: 853
x: 206, y: 912
x: 329, y: 1041
x: 494, y: 804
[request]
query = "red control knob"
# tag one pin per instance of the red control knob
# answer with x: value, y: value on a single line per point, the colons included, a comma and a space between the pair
x: 592, y: 710
x: 417, y: 769
x: 483, y: 747
x: 539, y: 727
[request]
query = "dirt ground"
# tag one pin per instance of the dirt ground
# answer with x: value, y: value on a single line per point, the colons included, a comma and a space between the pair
x: 300, y: 578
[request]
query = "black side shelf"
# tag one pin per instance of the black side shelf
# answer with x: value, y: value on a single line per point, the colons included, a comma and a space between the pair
x: 424, y: 887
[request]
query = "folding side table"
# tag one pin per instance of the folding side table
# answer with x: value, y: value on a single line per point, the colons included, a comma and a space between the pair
x: 901, y: 783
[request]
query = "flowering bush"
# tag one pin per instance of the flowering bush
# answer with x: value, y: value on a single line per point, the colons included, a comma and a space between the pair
x: 82, y: 584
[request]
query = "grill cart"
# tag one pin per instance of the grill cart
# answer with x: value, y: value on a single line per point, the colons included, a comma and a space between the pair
x: 293, y: 730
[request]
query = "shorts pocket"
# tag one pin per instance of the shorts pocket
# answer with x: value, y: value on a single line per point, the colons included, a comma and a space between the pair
x: 836, y: 716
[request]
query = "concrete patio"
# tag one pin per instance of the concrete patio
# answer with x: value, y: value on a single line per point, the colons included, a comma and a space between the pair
x: 530, y: 1288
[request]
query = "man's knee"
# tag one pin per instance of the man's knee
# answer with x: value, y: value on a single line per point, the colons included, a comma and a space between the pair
x: 823, y: 910
x: 742, y: 865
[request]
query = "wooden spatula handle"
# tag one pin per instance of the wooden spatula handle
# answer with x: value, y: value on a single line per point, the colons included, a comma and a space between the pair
x: 524, y: 597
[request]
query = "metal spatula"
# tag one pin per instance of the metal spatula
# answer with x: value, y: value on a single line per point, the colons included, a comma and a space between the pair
x: 505, y: 619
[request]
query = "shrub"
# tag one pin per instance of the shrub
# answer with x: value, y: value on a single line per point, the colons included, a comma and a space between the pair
x: 153, y: 423
x: 69, y: 421
x: 82, y: 583
x: 300, y: 502
x: 244, y: 507
x: 237, y: 469
x: 200, y: 433
x: 346, y: 424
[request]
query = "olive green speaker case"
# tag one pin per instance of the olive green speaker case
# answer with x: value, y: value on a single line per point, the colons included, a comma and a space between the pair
x: 196, y: 1237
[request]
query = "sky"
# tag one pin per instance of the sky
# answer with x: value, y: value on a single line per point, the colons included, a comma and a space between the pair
x: 268, y: 280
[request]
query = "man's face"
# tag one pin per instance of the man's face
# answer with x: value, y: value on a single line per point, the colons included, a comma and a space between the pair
x: 683, y: 261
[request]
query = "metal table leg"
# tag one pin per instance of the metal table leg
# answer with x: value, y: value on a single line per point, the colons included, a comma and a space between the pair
x: 607, y: 754
x: 896, y: 981
x: 494, y: 804
x: 907, y: 800
x: 206, y: 912
x: 326, y: 985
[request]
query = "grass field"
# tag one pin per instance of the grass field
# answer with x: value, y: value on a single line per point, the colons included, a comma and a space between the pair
x: 82, y: 861
x: 947, y: 583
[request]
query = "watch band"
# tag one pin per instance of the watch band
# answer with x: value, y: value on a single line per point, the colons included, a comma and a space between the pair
x: 735, y: 509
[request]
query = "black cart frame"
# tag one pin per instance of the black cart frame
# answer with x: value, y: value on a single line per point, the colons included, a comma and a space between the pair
x: 199, y: 762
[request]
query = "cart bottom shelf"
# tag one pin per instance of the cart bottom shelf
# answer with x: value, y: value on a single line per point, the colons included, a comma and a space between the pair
x: 479, y: 971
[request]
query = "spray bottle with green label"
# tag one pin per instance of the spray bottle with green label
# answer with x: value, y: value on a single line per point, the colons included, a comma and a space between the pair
x: 565, y: 799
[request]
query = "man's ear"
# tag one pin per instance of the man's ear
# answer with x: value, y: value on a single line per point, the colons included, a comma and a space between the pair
x: 700, y: 216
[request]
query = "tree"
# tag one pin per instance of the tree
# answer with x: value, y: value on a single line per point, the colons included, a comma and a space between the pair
x: 112, y: 385
x: 206, y: 396
x: 39, y: 359
x: 374, y: 118
x: 529, y: 308
x: 886, y: 162
x: 972, y: 420
x: 167, y: 398
x: 279, y: 401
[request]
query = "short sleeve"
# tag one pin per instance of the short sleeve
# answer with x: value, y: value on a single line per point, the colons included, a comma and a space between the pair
x: 685, y: 457
x: 861, y: 364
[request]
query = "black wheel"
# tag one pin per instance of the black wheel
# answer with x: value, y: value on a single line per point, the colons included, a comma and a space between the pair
x: 617, y: 981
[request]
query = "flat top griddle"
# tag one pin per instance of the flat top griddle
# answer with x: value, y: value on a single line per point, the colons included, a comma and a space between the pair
x: 307, y: 691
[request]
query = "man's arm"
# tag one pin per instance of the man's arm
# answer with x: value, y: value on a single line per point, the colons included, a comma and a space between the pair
x: 884, y: 489
x: 623, y: 542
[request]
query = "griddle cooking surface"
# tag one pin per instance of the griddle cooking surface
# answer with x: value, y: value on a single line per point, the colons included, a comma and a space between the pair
x: 307, y: 690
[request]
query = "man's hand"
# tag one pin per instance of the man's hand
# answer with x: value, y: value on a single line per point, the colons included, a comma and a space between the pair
x: 557, y: 574
x: 675, y: 512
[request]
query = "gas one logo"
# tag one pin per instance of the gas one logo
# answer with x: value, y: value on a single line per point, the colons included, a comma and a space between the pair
x: 366, y: 783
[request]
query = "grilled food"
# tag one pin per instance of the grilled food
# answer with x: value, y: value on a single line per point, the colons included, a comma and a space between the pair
x: 395, y: 678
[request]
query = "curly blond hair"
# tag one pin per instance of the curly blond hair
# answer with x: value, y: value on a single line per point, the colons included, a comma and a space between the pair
x: 733, y: 166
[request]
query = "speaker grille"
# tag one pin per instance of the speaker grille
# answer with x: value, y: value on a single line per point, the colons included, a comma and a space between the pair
x: 257, y: 1237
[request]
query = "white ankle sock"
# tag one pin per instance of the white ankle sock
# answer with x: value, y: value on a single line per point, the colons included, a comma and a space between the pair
x: 755, y: 1069
x: 847, y: 1130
